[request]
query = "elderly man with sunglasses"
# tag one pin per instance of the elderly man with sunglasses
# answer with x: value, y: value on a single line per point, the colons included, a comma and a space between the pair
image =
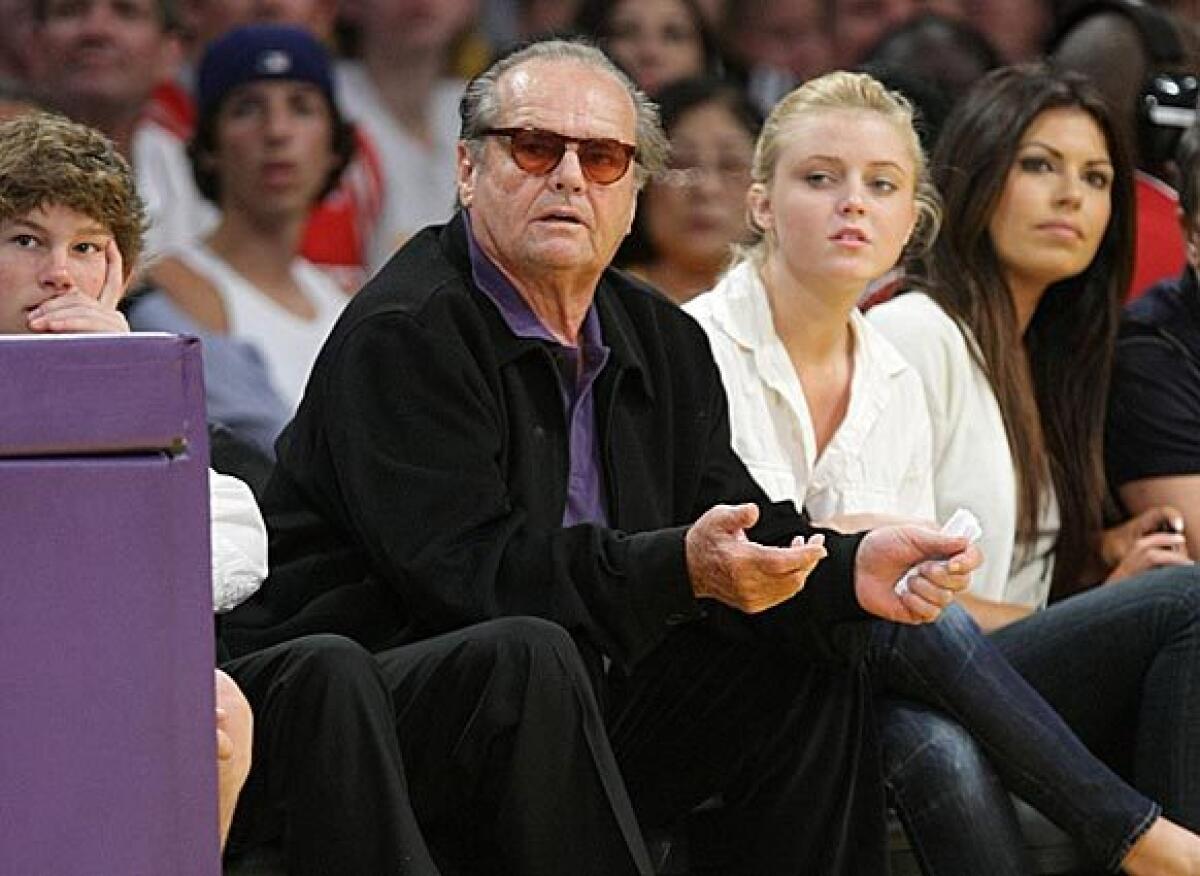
x: 500, y: 426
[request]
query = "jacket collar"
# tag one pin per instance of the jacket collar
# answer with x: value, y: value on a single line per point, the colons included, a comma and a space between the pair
x: 617, y: 327
x: 619, y: 330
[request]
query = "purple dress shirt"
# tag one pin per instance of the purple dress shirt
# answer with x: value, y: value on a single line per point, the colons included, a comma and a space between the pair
x: 578, y: 368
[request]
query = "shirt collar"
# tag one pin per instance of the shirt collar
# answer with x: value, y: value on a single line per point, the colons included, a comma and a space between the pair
x: 744, y: 313
x: 514, y: 309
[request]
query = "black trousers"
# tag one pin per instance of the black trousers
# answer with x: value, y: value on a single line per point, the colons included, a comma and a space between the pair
x: 786, y: 740
x: 488, y: 738
x: 326, y: 776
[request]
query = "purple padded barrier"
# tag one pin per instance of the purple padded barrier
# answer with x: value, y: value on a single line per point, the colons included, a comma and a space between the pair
x: 106, y: 671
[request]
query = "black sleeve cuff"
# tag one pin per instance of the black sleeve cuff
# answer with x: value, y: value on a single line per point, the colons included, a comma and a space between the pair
x: 831, y: 585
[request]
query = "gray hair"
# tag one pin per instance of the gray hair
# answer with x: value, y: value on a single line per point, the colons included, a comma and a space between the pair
x: 480, y: 108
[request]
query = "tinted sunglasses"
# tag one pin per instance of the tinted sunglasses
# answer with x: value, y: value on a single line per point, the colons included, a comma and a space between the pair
x: 539, y: 151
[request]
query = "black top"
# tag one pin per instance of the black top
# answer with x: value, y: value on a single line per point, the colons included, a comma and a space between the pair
x: 1154, y: 406
x: 421, y: 486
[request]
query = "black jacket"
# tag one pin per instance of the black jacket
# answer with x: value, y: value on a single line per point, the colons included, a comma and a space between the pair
x: 421, y: 486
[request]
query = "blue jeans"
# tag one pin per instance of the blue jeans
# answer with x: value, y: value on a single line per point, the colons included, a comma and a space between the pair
x: 1121, y: 665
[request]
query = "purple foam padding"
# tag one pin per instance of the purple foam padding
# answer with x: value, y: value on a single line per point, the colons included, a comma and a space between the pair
x: 81, y: 394
x: 107, y: 745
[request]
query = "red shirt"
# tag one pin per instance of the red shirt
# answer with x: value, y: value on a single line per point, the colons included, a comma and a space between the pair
x: 1159, y: 251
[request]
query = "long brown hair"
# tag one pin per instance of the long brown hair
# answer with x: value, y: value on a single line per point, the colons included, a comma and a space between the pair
x: 1052, y: 398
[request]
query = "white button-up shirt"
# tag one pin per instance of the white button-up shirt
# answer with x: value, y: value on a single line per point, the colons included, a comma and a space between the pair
x: 880, y: 458
x: 972, y: 459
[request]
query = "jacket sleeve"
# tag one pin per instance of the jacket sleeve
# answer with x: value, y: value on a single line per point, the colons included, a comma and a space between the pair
x: 416, y: 434
x: 829, y: 594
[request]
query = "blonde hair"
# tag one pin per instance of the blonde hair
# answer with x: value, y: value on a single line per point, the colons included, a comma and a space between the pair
x: 844, y: 91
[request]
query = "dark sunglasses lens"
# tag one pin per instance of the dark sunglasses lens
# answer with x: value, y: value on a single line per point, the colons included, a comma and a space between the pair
x: 537, y: 151
x: 604, y: 161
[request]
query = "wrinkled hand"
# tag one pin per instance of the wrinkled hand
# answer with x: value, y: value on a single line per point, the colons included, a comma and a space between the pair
x: 1137, y: 546
x: 76, y: 312
x: 725, y: 565
x: 944, y: 566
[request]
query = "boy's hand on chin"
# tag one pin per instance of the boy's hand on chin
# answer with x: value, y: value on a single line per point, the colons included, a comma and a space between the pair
x: 75, y: 312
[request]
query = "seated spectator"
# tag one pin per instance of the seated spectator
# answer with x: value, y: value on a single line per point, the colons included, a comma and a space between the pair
x: 1152, y: 439
x: 501, y: 426
x: 403, y: 97
x: 692, y: 214
x: 815, y: 392
x: 1012, y: 337
x: 328, y: 779
x: 656, y: 42
x: 340, y: 226
x: 70, y: 232
x: 269, y: 143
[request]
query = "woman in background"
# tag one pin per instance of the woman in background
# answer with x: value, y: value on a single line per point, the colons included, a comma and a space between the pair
x: 690, y: 216
x: 656, y: 42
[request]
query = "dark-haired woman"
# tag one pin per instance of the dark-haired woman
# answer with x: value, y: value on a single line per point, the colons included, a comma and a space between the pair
x: 690, y: 217
x: 1012, y: 335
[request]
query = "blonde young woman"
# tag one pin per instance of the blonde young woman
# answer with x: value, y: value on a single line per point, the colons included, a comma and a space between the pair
x: 826, y: 413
